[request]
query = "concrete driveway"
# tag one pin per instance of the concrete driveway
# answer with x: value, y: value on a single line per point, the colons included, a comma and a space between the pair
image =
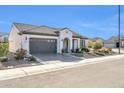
x: 55, y: 58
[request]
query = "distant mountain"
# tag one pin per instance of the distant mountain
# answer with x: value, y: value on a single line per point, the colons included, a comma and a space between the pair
x: 115, y: 38
x: 98, y: 38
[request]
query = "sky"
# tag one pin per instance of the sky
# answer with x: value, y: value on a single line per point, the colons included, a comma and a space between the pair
x: 90, y: 21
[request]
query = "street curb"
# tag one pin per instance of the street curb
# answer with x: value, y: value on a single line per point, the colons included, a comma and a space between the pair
x: 26, y: 71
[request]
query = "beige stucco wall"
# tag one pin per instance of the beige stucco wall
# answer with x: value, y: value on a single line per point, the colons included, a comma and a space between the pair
x: 14, y: 40
x: 65, y: 34
x: 122, y: 43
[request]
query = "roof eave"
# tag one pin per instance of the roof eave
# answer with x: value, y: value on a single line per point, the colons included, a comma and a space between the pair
x: 38, y: 34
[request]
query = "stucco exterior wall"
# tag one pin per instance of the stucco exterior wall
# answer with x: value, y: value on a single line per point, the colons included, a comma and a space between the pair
x: 14, y: 40
x: 65, y: 34
x: 123, y: 44
x: 86, y: 43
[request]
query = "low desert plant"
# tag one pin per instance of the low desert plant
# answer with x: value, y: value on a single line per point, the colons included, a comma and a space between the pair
x: 97, y: 46
x: 85, y: 49
x: 78, y: 50
x: 90, y: 44
x: 20, y: 54
x: 110, y: 49
x: 99, y: 53
x: 32, y: 59
x: 72, y: 50
x: 62, y: 51
x: 105, y: 50
x: 3, y: 59
x: 3, y: 49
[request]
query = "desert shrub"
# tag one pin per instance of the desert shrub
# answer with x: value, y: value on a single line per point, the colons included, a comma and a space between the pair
x: 32, y: 59
x: 90, y: 44
x: 20, y: 54
x: 110, y: 49
x: 72, y: 50
x: 99, y: 53
x: 3, y: 49
x: 105, y: 50
x: 97, y: 46
x: 3, y: 59
x: 85, y: 49
x: 78, y: 50
x: 62, y: 50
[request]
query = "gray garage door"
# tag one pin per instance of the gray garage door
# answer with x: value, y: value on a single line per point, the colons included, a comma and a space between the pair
x: 38, y: 45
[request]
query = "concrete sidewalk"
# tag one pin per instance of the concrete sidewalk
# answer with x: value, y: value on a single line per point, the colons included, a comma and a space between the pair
x: 25, y: 71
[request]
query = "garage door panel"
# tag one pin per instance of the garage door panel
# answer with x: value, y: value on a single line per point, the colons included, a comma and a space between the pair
x: 41, y: 45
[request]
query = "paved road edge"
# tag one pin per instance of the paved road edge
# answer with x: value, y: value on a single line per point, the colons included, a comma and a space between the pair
x: 26, y: 71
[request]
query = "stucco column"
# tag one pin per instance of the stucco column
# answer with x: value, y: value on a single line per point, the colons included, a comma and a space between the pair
x: 71, y: 44
x: 78, y: 43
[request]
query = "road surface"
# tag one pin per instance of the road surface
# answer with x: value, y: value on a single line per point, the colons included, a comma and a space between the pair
x: 106, y: 74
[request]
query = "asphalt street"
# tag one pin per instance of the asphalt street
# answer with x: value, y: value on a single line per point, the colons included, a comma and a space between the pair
x: 105, y: 75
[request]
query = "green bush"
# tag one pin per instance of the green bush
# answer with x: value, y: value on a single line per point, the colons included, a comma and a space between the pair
x: 3, y: 59
x: 20, y: 54
x: 78, y: 50
x: 3, y: 49
x: 85, y: 49
x: 97, y: 46
x: 89, y: 46
x: 32, y: 59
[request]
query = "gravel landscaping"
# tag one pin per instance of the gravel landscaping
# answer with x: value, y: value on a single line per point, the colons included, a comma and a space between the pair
x: 13, y: 63
x: 90, y: 55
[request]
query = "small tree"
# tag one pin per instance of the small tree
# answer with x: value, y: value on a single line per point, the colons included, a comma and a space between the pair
x: 97, y: 46
x: 90, y: 44
x: 3, y: 49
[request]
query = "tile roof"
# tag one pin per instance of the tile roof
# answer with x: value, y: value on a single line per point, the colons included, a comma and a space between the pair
x: 32, y: 29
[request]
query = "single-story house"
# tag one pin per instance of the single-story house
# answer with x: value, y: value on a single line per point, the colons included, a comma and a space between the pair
x: 44, y: 39
x: 113, y: 42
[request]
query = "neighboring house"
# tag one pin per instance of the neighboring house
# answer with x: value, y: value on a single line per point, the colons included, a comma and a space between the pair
x: 3, y: 37
x: 44, y: 39
x: 113, y: 42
